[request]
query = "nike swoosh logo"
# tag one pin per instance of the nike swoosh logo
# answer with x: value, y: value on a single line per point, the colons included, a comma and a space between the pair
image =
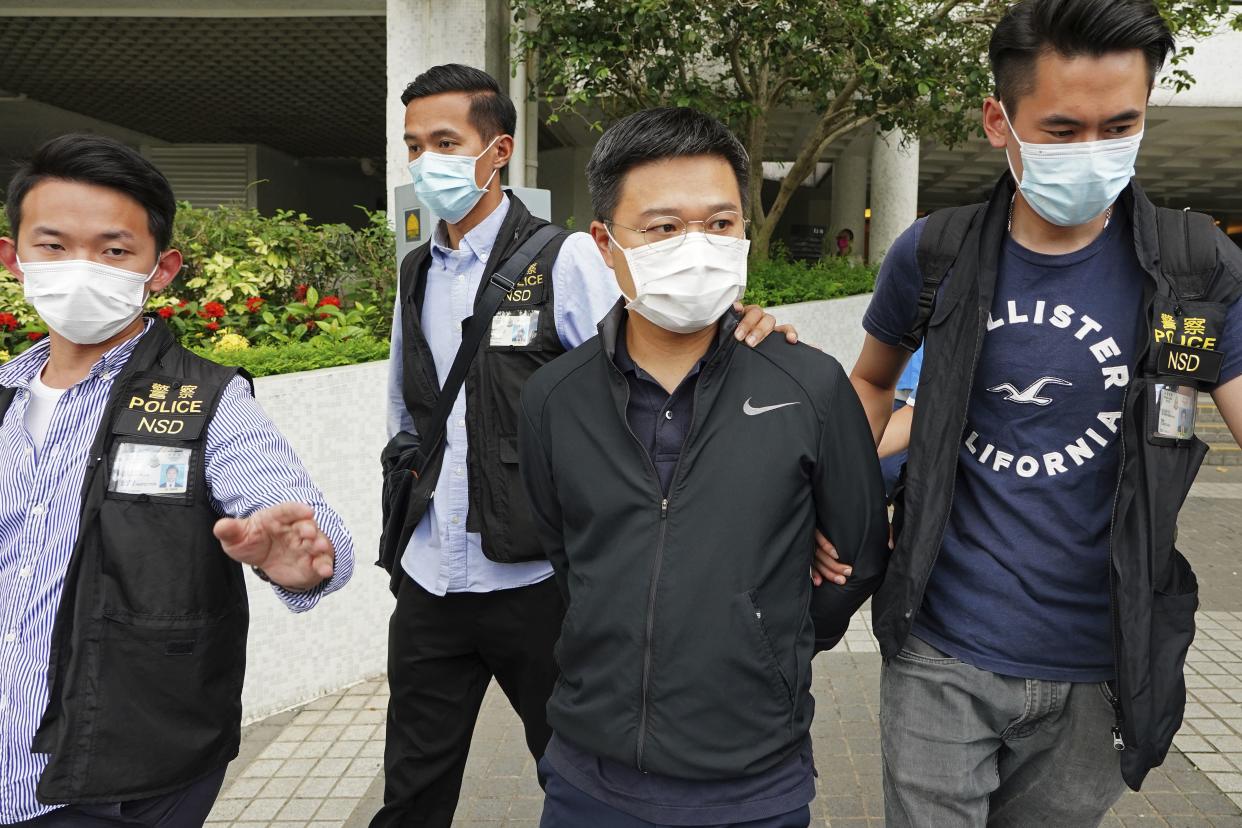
x: 751, y: 411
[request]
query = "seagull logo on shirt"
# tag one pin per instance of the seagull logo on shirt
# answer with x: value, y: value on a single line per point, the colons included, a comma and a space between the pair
x: 1031, y: 395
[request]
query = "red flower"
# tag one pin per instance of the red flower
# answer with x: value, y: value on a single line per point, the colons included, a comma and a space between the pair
x: 8, y: 322
x: 34, y: 336
x: 183, y: 303
x: 166, y: 312
x: 254, y: 303
x: 329, y: 300
x: 213, y: 326
x: 299, y: 292
x: 213, y: 310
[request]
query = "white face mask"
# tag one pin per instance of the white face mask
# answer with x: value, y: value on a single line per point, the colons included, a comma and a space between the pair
x: 445, y: 183
x: 84, y: 301
x: 686, y: 285
x: 1070, y: 184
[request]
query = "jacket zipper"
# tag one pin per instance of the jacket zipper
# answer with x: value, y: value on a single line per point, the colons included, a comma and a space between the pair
x: 659, y: 556
x: 650, y: 633
x: 1119, y: 743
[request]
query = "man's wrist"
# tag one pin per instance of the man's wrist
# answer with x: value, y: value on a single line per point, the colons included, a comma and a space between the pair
x: 263, y: 576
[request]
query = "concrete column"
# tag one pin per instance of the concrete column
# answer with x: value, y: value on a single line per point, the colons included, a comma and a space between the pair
x: 849, y: 197
x: 517, y: 93
x: 894, y: 190
x: 426, y: 33
x: 532, y: 142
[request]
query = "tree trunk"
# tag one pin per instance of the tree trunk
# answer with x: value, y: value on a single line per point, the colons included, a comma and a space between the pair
x: 808, y: 154
x: 761, y: 238
x: 756, y: 147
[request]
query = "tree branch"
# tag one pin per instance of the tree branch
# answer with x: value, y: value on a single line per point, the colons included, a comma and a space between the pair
x: 780, y: 88
x: 943, y: 12
x: 738, y: 73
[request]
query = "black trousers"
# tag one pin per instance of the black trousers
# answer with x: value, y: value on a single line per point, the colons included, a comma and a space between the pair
x: 442, y: 654
x: 185, y: 808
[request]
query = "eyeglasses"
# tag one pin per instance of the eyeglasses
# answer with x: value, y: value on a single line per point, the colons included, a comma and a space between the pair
x: 725, y: 228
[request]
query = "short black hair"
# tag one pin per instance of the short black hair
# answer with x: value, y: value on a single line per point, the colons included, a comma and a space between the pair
x: 491, y: 111
x: 654, y: 135
x: 1071, y: 28
x: 104, y: 162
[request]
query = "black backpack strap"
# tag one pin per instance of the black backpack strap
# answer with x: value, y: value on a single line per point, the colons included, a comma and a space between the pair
x: 474, y: 329
x: 937, y: 251
x: 6, y: 399
x: 1187, y: 250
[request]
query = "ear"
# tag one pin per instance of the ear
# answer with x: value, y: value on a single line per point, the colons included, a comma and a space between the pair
x: 503, y: 150
x: 8, y: 258
x: 994, y: 124
x: 603, y: 241
x: 169, y: 267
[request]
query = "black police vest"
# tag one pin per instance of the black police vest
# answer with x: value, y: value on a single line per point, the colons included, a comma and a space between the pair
x: 149, y: 644
x: 499, y: 510
x: 1154, y: 592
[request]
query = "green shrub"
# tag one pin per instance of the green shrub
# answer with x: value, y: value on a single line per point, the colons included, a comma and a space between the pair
x: 320, y: 352
x: 780, y: 281
x: 271, y: 279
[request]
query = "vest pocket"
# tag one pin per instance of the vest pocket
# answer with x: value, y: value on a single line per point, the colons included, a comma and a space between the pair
x: 1172, y: 631
x: 169, y: 692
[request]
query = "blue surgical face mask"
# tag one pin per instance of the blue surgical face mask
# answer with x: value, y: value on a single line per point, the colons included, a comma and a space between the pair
x: 1071, y: 184
x: 445, y: 183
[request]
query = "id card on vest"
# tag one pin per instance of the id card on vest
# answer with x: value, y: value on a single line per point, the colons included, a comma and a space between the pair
x: 1185, y: 359
x: 516, y: 325
x: 153, y: 453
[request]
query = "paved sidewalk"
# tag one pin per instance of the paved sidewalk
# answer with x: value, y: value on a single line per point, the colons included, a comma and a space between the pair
x: 320, y: 765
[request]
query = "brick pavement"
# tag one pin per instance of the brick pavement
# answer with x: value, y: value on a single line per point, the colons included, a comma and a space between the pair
x: 320, y: 765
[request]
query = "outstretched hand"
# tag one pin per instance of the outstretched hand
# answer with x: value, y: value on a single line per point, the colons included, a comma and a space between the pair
x: 284, y: 541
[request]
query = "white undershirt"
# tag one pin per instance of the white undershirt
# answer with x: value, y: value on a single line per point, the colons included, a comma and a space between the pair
x: 40, y: 409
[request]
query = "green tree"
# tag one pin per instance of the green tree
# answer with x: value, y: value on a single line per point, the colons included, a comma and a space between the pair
x: 920, y: 65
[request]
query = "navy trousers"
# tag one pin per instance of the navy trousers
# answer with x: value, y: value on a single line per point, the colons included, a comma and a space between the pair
x: 564, y: 806
x: 186, y: 808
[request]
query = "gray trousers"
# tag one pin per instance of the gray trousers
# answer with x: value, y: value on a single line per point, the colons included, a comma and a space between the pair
x: 967, y: 748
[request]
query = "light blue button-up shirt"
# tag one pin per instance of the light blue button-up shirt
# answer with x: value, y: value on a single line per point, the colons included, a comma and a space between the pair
x: 442, y: 556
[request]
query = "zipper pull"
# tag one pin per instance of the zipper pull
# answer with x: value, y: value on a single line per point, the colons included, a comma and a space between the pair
x: 663, y: 508
x: 1118, y: 742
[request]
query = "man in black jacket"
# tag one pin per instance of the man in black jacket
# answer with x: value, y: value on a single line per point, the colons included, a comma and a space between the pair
x: 691, y: 621
x: 475, y: 598
x: 1036, y: 615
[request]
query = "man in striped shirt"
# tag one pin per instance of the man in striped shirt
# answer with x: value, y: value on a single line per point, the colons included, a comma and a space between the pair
x: 134, y: 479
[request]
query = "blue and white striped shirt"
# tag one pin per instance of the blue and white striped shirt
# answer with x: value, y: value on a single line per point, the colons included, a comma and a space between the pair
x: 249, y: 466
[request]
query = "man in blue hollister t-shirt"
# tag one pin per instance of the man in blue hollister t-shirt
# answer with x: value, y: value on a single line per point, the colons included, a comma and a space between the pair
x: 1024, y: 565
x: 999, y: 705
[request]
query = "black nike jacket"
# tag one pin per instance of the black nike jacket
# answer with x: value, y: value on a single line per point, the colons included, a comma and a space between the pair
x: 691, y: 623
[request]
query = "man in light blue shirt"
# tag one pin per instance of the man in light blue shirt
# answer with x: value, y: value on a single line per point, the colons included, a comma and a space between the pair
x: 475, y: 598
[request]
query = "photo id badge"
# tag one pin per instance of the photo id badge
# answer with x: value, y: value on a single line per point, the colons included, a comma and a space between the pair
x: 144, y: 469
x: 1176, y: 408
x: 514, y: 329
